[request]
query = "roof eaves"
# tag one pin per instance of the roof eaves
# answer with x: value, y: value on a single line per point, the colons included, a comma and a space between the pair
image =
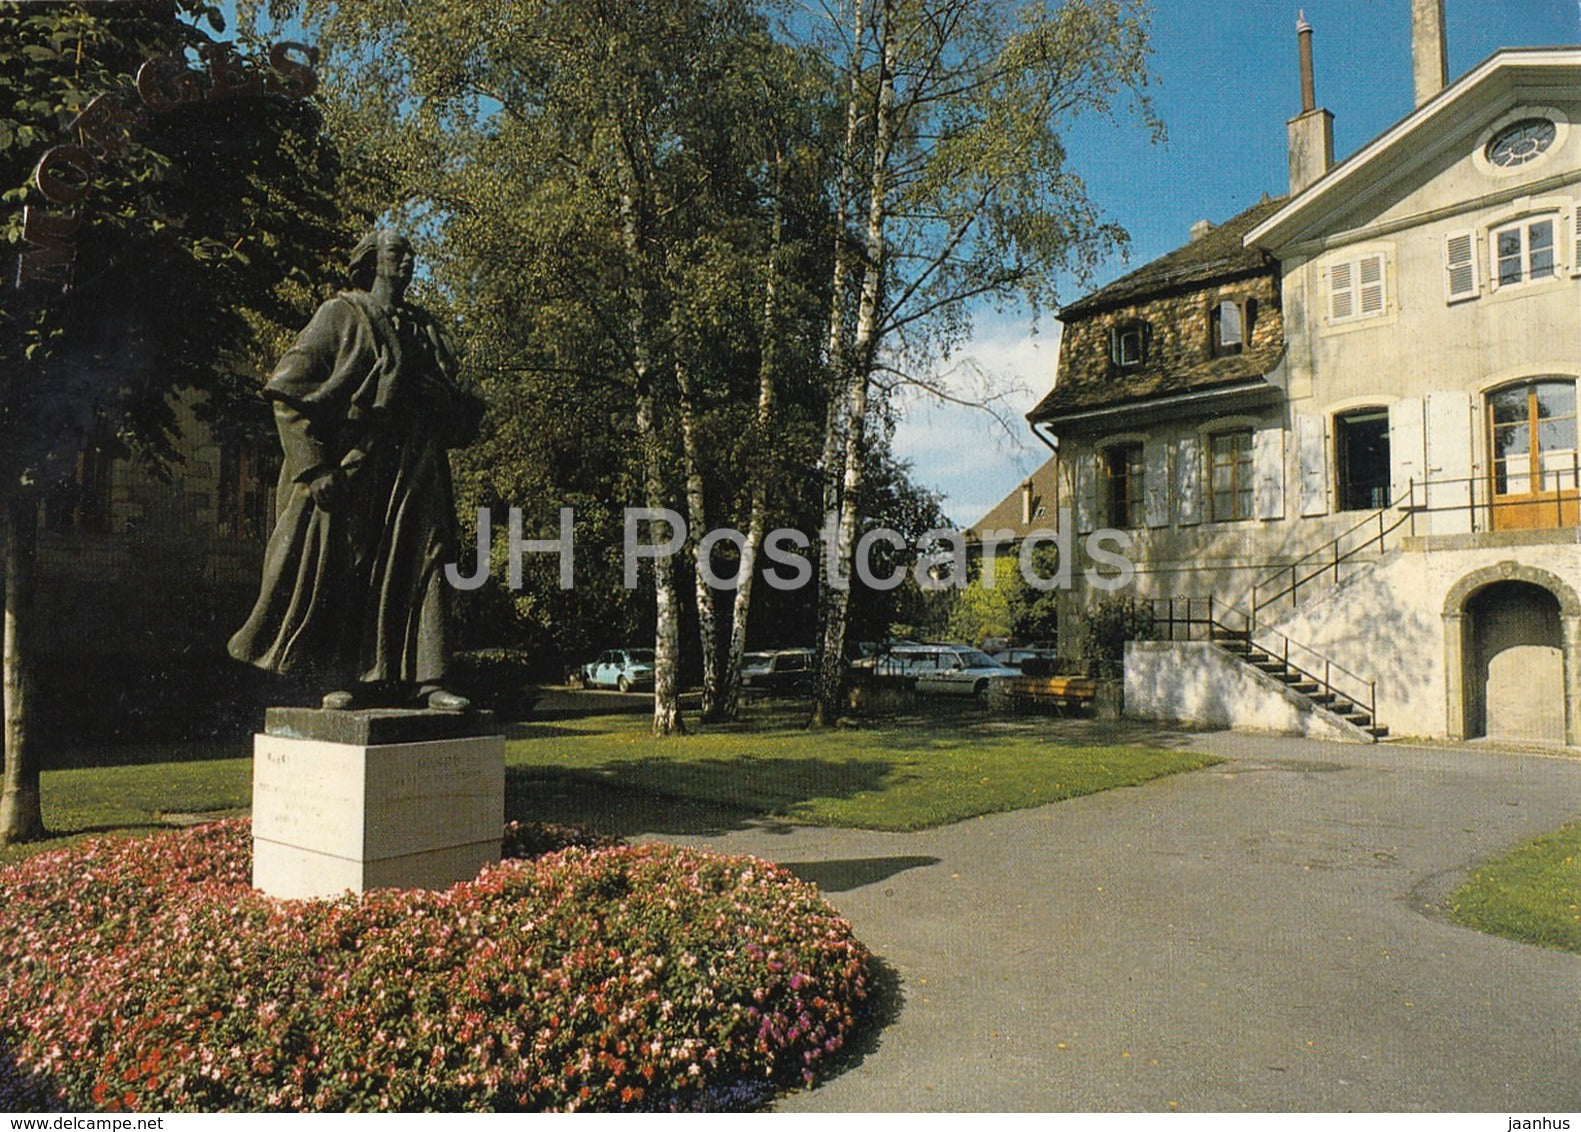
x: 1169, y: 283
x: 1451, y: 95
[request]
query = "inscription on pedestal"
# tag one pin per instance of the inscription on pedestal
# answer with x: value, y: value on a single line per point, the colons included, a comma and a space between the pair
x: 330, y: 816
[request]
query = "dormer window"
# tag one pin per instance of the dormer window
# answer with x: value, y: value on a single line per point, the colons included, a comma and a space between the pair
x: 1128, y: 344
x: 1230, y: 325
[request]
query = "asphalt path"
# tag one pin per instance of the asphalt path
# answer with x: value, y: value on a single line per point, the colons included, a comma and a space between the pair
x: 1263, y: 934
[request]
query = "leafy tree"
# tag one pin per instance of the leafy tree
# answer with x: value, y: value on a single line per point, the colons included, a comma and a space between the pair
x: 623, y: 210
x: 1097, y: 635
x: 200, y: 231
x: 951, y: 191
x: 1010, y: 606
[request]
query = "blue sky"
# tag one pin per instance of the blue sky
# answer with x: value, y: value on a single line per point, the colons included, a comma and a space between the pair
x: 1227, y: 83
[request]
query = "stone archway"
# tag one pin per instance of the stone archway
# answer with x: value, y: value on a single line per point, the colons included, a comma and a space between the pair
x: 1503, y: 622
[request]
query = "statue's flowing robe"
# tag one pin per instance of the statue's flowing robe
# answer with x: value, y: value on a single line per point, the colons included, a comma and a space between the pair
x: 357, y: 592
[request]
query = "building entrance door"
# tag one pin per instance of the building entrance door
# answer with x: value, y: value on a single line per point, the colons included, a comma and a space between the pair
x: 1532, y: 439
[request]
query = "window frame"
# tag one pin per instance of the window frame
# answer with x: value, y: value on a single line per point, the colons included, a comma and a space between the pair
x: 1243, y: 476
x: 1245, y: 311
x: 1119, y: 332
x: 246, y: 490
x: 1524, y: 225
x: 1354, y: 267
x: 81, y: 502
x: 1134, y: 479
x: 1344, y: 458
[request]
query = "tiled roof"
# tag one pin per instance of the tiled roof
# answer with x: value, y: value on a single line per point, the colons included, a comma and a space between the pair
x: 1217, y: 255
x: 1074, y: 396
x: 1010, y: 513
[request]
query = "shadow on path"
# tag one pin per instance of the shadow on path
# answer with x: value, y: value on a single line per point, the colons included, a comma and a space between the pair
x: 844, y: 875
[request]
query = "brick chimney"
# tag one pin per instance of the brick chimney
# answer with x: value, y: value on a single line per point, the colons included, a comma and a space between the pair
x: 1429, y: 51
x: 1312, y: 130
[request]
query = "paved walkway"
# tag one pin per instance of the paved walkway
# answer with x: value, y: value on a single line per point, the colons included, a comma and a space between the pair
x: 1257, y: 935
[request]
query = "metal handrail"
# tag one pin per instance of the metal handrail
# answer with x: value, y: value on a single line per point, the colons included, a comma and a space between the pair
x: 1254, y: 639
x: 1564, y: 500
x: 1406, y: 503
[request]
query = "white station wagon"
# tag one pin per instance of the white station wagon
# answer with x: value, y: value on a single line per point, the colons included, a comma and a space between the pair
x: 956, y: 670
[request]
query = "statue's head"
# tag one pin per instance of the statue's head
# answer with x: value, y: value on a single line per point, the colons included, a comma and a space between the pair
x: 382, y: 250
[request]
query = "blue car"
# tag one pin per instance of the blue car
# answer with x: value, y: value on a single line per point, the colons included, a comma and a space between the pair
x: 622, y: 669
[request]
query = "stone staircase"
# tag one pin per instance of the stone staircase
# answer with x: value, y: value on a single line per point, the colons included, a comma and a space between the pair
x: 1317, y: 690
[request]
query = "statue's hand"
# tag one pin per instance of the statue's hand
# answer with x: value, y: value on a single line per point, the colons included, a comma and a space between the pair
x: 328, y: 489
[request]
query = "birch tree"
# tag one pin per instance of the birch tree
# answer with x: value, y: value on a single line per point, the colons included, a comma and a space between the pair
x: 953, y: 182
x: 559, y: 157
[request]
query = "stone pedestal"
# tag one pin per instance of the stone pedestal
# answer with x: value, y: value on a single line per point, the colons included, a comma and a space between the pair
x: 353, y: 800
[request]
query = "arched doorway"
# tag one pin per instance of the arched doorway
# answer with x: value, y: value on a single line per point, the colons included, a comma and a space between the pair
x: 1517, y: 680
x: 1513, y: 656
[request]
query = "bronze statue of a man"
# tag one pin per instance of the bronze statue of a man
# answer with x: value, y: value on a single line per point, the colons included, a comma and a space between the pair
x: 366, y: 403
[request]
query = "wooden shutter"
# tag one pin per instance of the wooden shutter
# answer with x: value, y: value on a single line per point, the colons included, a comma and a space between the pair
x: 1406, y: 449
x: 1449, y: 432
x: 1370, y: 284
x: 1575, y: 228
x: 1155, y: 486
x: 1268, y: 473
x: 1341, y: 291
x: 1188, y: 481
x: 1312, y: 453
x: 1086, y: 491
x: 1460, y: 266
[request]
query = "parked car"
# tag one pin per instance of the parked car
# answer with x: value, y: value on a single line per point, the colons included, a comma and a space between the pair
x: 624, y: 669
x: 780, y: 672
x: 1018, y: 658
x: 955, y: 670
x: 864, y: 654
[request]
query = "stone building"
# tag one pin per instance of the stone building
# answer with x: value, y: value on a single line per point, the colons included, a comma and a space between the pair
x: 1340, y: 427
x: 140, y: 581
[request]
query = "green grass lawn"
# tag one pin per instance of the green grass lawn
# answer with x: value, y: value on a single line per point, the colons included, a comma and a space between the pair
x: 607, y: 772
x: 900, y: 776
x: 1532, y: 894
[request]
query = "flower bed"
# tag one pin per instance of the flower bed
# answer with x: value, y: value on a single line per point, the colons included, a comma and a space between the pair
x: 146, y: 974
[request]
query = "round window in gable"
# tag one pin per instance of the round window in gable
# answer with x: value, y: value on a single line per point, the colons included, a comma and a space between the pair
x: 1520, y: 142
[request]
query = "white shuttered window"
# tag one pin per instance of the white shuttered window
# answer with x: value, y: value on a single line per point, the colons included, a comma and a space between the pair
x: 1357, y: 288
x: 1188, y: 481
x: 1460, y: 266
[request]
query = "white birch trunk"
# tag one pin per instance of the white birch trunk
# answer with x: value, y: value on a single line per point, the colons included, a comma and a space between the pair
x: 768, y: 361
x: 831, y: 672
x: 697, y: 526
x: 21, y: 815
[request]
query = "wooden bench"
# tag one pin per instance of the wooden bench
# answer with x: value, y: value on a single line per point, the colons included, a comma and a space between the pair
x: 1064, y: 692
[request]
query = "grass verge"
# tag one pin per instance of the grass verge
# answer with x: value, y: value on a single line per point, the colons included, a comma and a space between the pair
x: 608, y: 772
x: 901, y: 776
x: 1532, y: 894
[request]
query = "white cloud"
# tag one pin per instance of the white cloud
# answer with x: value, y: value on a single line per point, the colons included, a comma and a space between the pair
x: 974, y: 459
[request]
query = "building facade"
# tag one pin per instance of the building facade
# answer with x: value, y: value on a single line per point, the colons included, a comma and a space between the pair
x: 140, y: 580
x: 1348, y: 417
